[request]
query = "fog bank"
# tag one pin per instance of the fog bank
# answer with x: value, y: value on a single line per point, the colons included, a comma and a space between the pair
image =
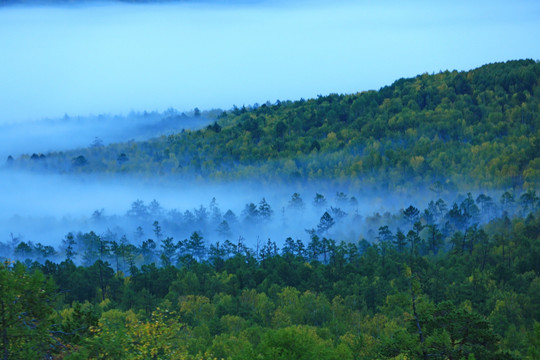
x: 44, y: 208
x: 69, y: 133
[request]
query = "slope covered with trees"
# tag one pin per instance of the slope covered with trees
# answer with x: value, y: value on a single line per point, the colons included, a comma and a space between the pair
x: 479, y: 128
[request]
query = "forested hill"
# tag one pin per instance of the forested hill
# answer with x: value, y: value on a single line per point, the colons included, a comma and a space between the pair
x: 478, y: 128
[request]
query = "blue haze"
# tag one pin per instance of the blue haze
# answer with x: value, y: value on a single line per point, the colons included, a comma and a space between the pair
x: 115, y: 58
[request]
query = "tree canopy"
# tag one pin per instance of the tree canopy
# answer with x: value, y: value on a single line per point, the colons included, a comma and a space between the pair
x: 478, y: 128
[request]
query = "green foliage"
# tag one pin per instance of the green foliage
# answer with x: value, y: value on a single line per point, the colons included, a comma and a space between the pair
x: 478, y: 128
x: 380, y: 303
x: 26, y: 304
x: 299, y: 342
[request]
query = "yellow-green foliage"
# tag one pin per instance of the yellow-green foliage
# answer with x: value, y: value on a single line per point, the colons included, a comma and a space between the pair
x: 478, y: 128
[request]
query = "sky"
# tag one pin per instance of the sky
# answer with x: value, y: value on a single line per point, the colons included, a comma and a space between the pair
x: 116, y: 58
x: 113, y: 58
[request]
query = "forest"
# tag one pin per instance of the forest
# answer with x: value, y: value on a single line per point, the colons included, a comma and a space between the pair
x: 460, y: 130
x: 451, y: 271
x: 438, y: 286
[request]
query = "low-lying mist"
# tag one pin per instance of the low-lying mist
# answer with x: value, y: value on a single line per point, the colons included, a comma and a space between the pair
x: 36, y: 137
x: 44, y: 209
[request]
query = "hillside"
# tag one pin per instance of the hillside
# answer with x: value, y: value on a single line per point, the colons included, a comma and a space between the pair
x: 350, y: 276
x: 478, y: 128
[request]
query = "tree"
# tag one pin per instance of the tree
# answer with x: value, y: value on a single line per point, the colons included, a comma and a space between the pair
x: 148, y: 248
x: 385, y: 235
x: 314, y: 248
x: 104, y: 245
x: 486, y: 204
x: 385, y: 238
x: 411, y: 214
x: 102, y: 272
x: 289, y: 248
x: 250, y: 213
x: 400, y: 240
x: 430, y: 214
x: 139, y: 233
x: 123, y: 249
x: 454, y: 332
x: 325, y: 223
x: 229, y: 249
x: 93, y: 246
x: 281, y: 128
x: 130, y: 253
x: 435, y: 238
x: 188, y: 218
x: 79, y: 161
x: 214, y: 127
x: 26, y: 300
x: 469, y: 210
x: 319, y: 200
x: 157, y: 230
x: 328, y: 248
x: 457, y: 218
x: 297, y: 342
x: 414, y: 240
x: 122, y: 159
x: 353, y: 202
x: 337, y: 212
x: 341, y: 198
x: 264, y: 211
x: 216, y: 255
x: 196, y: 246
x: 69, y: 242
x: 158, y: 337
x: 155, y: 209
x: 529, y: 201
x: 201, y: 216
x: 507, y: 201
x: 224, y: 229
x: 44, y: 252
x: 230, y: 217
x: 97, y: 143
x: 296, y: 202
x: 168, y: 251
x: 269, y: 250
x: 24, y: 250
x: 215, y: 212
x: 138, y: 210
x: 300, y: 248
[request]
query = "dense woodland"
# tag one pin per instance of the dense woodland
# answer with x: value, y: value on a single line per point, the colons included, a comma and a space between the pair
x: 458, y: 291
x: 464, y: 130
x: 456, y: 279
